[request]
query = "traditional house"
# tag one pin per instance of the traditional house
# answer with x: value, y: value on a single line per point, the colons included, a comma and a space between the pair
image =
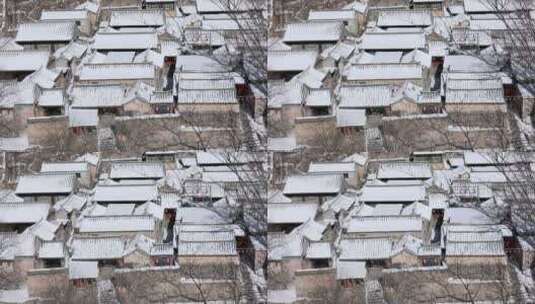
x: 404, y: 171
x: 313, y: 35
x: 50, y: 187
x: 287, y: 64
x: 104, y: 250
x: 401, y: 194
x: 373, y: 251
x: 312, y: 187
x: 389, y: 41
x: 385, y: 73
x: 125, y: 193
x: 206, y: 248
x: 145, y: 18
x: 120, y: 74
x: 18, y: 216
x: 385, y: 226
x: 79, y: 16
x: 128, y: 226
x: 350, y: 18
x: 287, y: 216
x: 19, y: 64
x: 83, y: 273
x: 50, y: 102
x: 80, y: 169
x: 46, y: 35
x: 51, y: 254
x: 125, y: 41
x: 349, y: 170
x: 404, y: 19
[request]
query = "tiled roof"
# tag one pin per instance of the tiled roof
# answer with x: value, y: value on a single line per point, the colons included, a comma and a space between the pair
x: 137, y: 18
x: 138, y: 170
x: 125, y: 193
x: 46, y: 184
x: 404, y: 18
x: 404, y: 170
x: 313, y: 31
x: 386, y: 224
x: 66, y: 14
x: 282, y: 61
x: 119, y: 223
x: 292, y: 213
x: 365, y: 249
x: 64, y: 167
x: 46, y: 31
x: 393, y: 41
x: 207, y: 96
x: 97, y: 248
x: 383, y: 71
x: 28, y: 213
x: 392, y: 193
x: 206, y: 236
x: 313, y: 184
x: 365, y: 96
x: 96, y: 96
x: 125, y: 41
x: 83, y: 270
x: 224, y: 248
x: 23, y: 60
x: 51, y: 250
x: 51, y: 98
x: 125, y: 71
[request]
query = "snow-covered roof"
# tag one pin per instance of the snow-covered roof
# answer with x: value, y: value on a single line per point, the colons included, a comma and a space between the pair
x: 64, y: 14
x: 198, y: 215
x: 468, y: 37
x: 467, y: 63
x: 350, y: 118
x: 365, y: 96
x: 485, y: 6
x: 137, y: 170
x: 46, y: 184
x: 319, y: 250
x: 342, y: 15
x: 383, y: 71
x: 365, y: 249
x: 137, y: 18
x: 14, y: 144
x: 125, y: 41
x: 69, y: 167
x: 51, y: 250
x: 475, y: 249
x: 97, y: 248
x: 292, y: 213
x: 466, y: 216
x: 392, y: 193
x: 219, y: 248
x: 71, y: 202
x: 219, y: 96
x: 125, y: 71
x: 339, y: 203
x: 404, y: 18
x: 386, y: 224
x: 350, y: 270
x: 11, y: 61
x: 96, y: 96
x: 392, y: 41
x: 51, y: 98
x: 283, y: 61
x: 313, y: 31
x: 386, y: 210
x: 332, y: 167
x: 125, y: 193
x: 487, y: 96
x: 199, y: 64
x: 18, y: 213
x: 83, y: 270
x: 46, y: 31
x: 313, y: 184
x: 225, y: 82
x: 404, y: 170
x: 116, y: 223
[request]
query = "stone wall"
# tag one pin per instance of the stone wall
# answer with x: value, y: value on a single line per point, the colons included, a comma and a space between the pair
x: 40, y: 281
x: 309, y: 282
x: 40, y: 130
